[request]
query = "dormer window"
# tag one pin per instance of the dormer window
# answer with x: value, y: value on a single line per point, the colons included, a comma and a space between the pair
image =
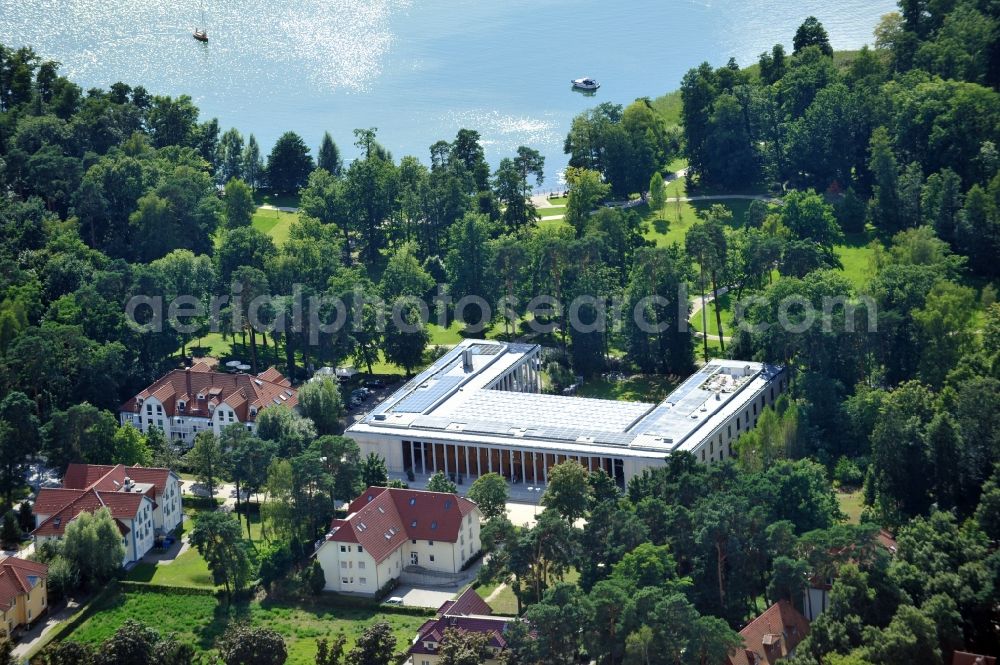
x: 181, y: 405
x: 201, y: 396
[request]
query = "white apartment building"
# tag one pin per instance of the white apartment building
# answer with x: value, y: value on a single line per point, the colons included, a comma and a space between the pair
x: 389, y: 530
x: 187, y: 401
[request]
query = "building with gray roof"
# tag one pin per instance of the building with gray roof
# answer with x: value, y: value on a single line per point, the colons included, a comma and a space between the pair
x: 479, y: 408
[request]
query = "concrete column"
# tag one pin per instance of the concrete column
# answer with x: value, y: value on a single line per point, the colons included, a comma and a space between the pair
x: 479, y: 470
x: 545, y: 468
x: 457, y: 470
x: 467, y: 448
x: 489, y: 458
x: 445, y: 445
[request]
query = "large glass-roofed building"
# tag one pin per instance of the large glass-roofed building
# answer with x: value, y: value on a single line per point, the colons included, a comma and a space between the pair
x: 479, y: 409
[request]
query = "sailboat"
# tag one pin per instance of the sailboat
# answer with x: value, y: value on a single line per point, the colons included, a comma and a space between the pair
x: 201, y: 34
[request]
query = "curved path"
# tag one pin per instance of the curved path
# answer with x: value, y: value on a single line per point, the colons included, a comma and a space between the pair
x: 697, y: 304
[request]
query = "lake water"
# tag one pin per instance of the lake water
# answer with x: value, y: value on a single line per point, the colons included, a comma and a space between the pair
x: 418, y: 70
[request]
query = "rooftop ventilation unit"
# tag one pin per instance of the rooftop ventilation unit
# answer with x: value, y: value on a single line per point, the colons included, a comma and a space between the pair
x: 467, y: 359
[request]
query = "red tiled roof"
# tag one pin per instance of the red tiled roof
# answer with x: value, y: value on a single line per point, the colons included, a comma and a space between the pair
x: 771, y: 636
x: 240, y: 391
x: 112, y: 478
x: 14, y: 578
x: 382, y: 518
x: 82, y: 476
x: 425, y: 515
x: 434, y: 629
x: 51, y: 500
x: 965, y: 658
x: 92, y: 487
x: 469, y: 602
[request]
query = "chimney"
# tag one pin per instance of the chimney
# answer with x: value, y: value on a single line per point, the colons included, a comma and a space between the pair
x: 467, y: 359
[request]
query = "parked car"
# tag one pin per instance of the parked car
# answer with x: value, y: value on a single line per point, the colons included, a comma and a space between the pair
x: 375, y: 384
x: 395, y: 600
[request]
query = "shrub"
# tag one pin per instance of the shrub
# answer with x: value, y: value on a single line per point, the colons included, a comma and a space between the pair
x: 26, y: 516
x: 63, y: 578
x: 10, y: 531
x: 315, y: 578
x: 847, y: 473
x: 275, y: 560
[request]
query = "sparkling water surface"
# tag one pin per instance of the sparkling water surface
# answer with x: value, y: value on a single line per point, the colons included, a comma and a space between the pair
x: 416, y: 69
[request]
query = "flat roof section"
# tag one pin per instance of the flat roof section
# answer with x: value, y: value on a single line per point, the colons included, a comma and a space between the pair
x: 531, y: 410
x: 454, y: 398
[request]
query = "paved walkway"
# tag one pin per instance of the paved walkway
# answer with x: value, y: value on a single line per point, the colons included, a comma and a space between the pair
x: 31, y: 638
x: 697, y: 304
x: 268, y: 206
x: 223, y: 491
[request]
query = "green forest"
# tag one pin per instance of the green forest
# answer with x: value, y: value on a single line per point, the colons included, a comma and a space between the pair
x: 875, y: 178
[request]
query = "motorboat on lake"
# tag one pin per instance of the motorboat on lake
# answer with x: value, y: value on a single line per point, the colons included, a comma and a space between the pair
x: 200, y: 34
x: 586, y: 83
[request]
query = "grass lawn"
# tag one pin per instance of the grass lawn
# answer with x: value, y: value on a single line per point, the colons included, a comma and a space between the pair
x: 211, y: 344
x: 636, y: 388
x: 445, y: 336
x: 726, y: 307
x: 200, y: 620
x: 504, y: 603
x: 851, y: 504
x: 552, y: 212
x: 856, y: 254
x: 187, y: 570
x: 669, y: 107
x: 670, y: 223
x: 274, y: 223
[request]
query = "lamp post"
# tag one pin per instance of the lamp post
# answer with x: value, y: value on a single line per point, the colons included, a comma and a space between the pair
x: 535, y: 503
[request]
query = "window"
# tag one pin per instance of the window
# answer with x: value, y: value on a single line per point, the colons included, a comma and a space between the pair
x: 343, y: 564
x: 702, y: 454
x: 343, y: 580
x: 413, y: 524
x: 413, y: 501
x: 447, y: 504
x: 431, y: 543
x: 343, y: 548
x: 432, y: 558
x: 755, y: 409
x: 711, y: 447
x: 360, y: 549
x: 159, y: 423
x: 434, y: 525
x: 729, y: 430
x: 361, y: 565
x: 363, y: 580
x: 414, y: 542
x: 159, y: 409
x: 149, y: 409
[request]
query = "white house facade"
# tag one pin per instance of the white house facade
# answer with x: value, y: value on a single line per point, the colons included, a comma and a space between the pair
x: 185, y: 402
x: 144, y: 502
x: 389, y: 531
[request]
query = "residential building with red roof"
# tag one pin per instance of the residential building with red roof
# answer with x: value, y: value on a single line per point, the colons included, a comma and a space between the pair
x: 966, y: 658
x: 771, y: 636
x: 23, y: 595
x: 468, y: 612
x: 388, y: 531
x: 145, y: 502
x: 184, y: 402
